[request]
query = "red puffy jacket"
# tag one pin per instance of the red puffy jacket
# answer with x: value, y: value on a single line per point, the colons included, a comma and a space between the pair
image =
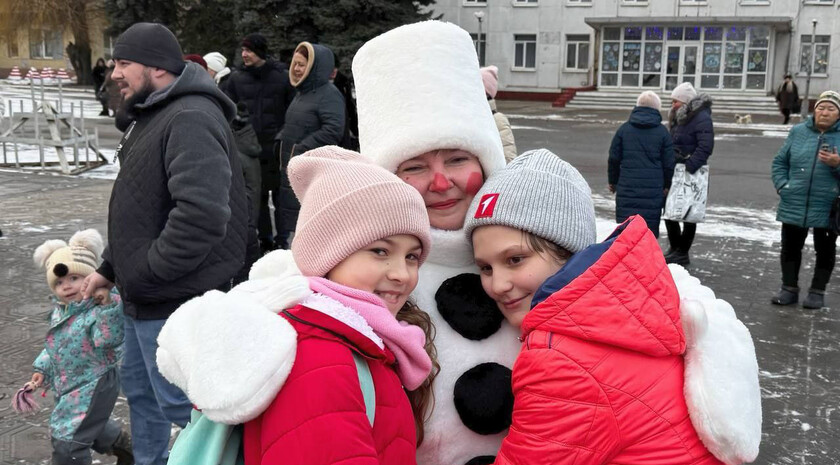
x: 319, y: 417
x: 600, y: 376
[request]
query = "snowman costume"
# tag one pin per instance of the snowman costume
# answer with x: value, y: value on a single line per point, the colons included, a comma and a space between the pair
x: 410, y: 103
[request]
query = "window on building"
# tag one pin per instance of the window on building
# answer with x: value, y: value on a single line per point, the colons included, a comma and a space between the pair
x: 577, y: 52
x: 580, y: 2
x: 45, y: 43
x: 475, y: 2
x: 480, y: 47
x: 12, y: 49
x: 525, y: 2
x: 818, y: 60
x: 525, y: 51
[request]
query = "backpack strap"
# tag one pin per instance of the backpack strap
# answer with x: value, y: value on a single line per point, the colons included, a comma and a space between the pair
x: 366, y: 383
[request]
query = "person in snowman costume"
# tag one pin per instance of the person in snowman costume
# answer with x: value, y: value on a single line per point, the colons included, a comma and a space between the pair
x: 423, y: 115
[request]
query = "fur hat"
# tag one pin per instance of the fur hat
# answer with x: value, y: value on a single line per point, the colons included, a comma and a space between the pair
x: 684, y: 92
x: 541, y: 194
x: 215, y: 61
x: 150, y: 44
x: 256, y: 43
x: 430, y: 99
x: 829, y: 96
x: 347, y: 202
x: 80, y: 257
x: 490, y: 78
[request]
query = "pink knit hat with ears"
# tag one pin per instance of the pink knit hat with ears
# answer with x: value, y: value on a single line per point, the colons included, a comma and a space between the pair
x: 490, y: 78
x: 347, y: 202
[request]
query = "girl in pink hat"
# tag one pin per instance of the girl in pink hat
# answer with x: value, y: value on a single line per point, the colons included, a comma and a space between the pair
x: 342, y: 295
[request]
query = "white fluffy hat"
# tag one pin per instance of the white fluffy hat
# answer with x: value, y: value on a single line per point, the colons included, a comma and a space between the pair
x: 418, y: 89
x: 215, y: 61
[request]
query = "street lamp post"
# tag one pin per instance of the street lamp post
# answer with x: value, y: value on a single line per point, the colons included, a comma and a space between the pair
x: 479, y: 15
x: 810, y: 67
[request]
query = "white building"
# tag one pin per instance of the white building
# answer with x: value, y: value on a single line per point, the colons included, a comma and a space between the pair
x: 738, y: 46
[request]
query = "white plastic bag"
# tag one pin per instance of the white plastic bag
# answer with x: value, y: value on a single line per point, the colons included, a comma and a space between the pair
x: 687, y: 198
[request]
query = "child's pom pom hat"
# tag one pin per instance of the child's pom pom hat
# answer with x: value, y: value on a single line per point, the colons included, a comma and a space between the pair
x: 80, y: 257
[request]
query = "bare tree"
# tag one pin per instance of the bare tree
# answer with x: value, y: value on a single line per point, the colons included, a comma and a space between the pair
x: 59, y: 14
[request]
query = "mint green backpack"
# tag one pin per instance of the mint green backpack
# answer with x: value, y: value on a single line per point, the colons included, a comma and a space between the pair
x: 205, y: 442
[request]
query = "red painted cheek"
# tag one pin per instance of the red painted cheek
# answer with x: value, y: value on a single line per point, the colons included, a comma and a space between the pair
x: 439, y: 183
x: 474, y: 183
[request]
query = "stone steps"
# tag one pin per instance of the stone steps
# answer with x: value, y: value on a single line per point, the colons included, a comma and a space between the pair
x: 741, y: 103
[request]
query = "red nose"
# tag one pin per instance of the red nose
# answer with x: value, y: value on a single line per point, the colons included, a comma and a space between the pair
x: 439, y: 183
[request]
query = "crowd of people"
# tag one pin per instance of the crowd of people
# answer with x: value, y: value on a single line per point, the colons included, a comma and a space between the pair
x: 443, y: 299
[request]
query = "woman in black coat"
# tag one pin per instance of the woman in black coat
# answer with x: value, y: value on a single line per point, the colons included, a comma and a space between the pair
x: 98, y: 75
x: 694, y: 139
x: 788, y: 98
x: 315, y: 118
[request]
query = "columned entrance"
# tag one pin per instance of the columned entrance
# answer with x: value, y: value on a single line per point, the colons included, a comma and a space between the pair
x: 711, y: 57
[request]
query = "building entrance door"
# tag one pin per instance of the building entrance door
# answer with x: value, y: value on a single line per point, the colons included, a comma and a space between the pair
x: 680, y: 65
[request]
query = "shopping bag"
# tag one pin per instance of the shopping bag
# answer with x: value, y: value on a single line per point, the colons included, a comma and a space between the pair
x: 687, y: 198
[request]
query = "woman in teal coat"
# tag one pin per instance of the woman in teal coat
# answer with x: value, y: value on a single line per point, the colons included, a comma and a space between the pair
x: 806, y: 173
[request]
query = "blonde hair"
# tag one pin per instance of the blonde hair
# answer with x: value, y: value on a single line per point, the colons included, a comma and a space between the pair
x: 422, y: 399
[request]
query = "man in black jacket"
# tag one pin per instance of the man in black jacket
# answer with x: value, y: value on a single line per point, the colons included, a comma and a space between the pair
x: 263, y: 84
x: 177, y: 221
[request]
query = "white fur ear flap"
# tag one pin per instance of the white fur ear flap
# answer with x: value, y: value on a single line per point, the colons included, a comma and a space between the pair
x: 275, y: 294
x: 275, y: 264
x: 721, y: 374
x: 89, y: 239
x: 43, y: 252
x: 228, y: 354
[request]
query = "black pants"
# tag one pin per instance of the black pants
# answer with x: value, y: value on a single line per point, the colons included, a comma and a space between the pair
x: 793, y: 240
x: 786, y: 113
x: 270, y: 174
x: 680, y: 240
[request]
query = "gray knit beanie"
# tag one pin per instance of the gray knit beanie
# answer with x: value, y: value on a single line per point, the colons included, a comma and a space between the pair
x: 541, y: 194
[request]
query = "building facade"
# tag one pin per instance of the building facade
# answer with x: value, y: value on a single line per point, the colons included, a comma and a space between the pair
x: 723, y: 46
x: 40, y: 46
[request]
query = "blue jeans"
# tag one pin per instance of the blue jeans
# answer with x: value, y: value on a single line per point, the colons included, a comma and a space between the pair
x: 154, y: 403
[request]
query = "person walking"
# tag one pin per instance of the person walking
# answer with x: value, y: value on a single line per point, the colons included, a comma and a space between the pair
x: 315, y: 118
x: 98, y: 75
x: 177, y: 218
x: 788, y: 98
x: 693, y: 135
x: 805, y: 174
x: 263, y: 84
x: 641, y: 163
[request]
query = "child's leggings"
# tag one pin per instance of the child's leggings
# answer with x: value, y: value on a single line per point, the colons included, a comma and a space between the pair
x: 97, y: 431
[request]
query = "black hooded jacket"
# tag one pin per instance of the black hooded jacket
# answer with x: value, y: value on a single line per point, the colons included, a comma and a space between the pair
x: 178, y: 215
x: 267, y: 93
x: 315, y: 118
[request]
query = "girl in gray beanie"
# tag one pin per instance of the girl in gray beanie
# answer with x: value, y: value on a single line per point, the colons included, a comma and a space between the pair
x: 599, y: 323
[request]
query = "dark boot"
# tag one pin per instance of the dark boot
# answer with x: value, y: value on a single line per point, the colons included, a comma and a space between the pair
x: 786, y: 296
x: 122, y: 449
x: 679, y: 258
x: 814, y: 300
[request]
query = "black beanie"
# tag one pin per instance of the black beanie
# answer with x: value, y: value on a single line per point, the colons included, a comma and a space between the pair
x: 150, y: 44
x: 256, y: 43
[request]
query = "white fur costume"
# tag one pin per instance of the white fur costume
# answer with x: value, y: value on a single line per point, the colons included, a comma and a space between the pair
x: 419, y: 89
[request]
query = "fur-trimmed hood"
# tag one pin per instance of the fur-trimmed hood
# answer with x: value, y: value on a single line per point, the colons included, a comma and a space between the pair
x: 686, y: 112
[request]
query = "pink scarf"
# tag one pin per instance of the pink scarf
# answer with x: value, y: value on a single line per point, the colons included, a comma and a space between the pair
x: 404, y: 340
